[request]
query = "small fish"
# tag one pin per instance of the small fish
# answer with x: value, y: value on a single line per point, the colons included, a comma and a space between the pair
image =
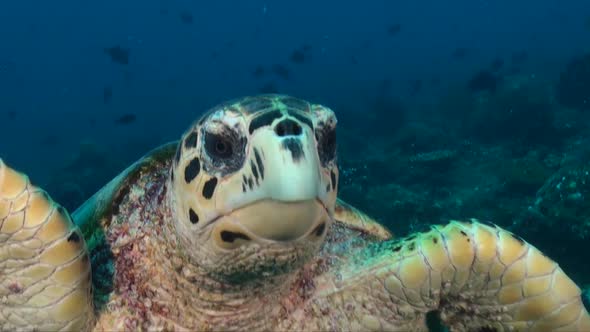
x: 519, y: 58
x: 301, y: 55
x: 385, y: 85
x: 128, y: 75
x: 460, y: 53
x: 497, y: 64
x: 269, y: 87
x: 281, y: 70
x: 415, y: 87
x: 186, y: 17
x: 394, y: 29
x: 366, y: 44
x: 514, y: 70
x: 126, y: 119
x: 107, y: 94
x: 6, y: 66
x: 259, y: 72
x: 297, y: 57
x: 435, y: 81
x: 50, y: 140
x: 118, y: 54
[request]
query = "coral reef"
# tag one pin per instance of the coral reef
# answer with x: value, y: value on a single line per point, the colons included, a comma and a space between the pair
x: 522, y: 175
x: 563, y: 200
x: 436, y: 159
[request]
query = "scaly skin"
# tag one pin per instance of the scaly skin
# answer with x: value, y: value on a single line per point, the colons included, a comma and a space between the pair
x: 44, y: 266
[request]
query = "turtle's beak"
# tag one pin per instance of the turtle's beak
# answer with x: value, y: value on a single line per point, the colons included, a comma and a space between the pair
x: 283, y: 189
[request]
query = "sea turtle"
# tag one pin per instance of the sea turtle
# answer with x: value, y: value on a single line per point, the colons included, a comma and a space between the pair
x: 238, y: 227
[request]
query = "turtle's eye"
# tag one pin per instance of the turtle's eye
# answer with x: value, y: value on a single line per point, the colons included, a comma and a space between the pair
x: 223, y: 149
x: 218, y: 146
x: 326, y: 138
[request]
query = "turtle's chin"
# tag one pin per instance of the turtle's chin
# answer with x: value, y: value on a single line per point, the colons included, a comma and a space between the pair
x: 270, y: 221
x: 264, y: 240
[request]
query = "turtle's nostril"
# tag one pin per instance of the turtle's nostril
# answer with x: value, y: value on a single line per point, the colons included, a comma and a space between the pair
x: 288, y: 127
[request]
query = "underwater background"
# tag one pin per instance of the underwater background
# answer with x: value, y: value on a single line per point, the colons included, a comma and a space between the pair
x: 447, y: 109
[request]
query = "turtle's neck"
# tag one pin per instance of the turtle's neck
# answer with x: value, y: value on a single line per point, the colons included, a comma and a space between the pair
x: 187, y: 290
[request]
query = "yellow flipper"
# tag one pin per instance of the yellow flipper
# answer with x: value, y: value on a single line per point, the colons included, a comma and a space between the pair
x: 477, y: 276
x: 510, y: 282
x: 45, y: 279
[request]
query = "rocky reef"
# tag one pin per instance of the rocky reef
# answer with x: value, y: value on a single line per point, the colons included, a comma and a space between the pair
x: 513, y: 156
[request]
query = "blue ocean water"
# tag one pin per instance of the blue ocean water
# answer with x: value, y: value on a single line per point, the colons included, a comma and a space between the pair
x: 447, y: 109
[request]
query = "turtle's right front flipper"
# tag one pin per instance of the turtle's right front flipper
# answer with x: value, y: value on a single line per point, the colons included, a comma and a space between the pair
x: 45, y: 279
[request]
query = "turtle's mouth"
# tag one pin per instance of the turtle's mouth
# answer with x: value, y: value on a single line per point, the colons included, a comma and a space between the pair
x: 267, y: 221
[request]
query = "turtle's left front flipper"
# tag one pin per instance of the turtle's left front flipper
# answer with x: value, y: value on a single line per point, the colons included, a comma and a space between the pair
x: 45, y: 279
x: 477, y: 276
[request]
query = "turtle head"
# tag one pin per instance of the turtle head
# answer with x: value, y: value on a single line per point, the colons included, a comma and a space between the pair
x: 254, y: 186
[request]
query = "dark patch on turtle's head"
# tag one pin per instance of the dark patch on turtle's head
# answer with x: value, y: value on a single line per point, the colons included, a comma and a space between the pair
x: 190, y: 142
x: 293, y: 145
x: 253, y: 173
x: 326, y: 140
x: 265, y: 119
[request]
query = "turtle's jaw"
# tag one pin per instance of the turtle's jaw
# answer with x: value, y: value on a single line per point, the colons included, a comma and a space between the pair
x: 271, y: 221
